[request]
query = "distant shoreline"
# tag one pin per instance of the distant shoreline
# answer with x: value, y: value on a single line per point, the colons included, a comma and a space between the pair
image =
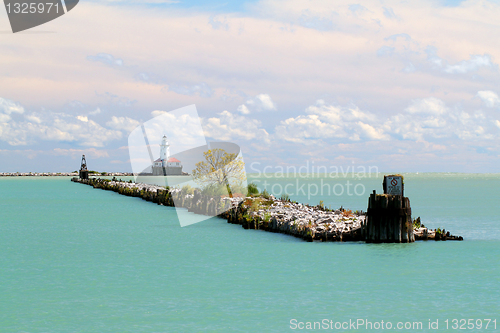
x: 59, y: 174
x: 250, y: 175
x: 76, y: 174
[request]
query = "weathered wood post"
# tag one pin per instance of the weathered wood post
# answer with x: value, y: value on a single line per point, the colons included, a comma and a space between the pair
x: 389, y: 214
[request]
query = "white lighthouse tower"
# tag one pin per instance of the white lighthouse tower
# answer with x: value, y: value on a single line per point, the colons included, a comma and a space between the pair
x: 164, y: 150
x: 166, y: 165
x: 164, y: 154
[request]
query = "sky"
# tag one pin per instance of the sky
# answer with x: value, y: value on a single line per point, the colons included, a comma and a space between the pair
x: 399, y: 85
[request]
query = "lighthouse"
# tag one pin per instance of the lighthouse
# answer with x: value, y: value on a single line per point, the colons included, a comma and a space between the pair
x: 164, y: 151
x: 164, y: 154
x: 166, y: 165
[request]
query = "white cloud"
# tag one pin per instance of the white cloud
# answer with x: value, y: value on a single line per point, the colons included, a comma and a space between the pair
x: 177, y: 125
x: 202, y: 89
x: 319, y: 22
x: 107, y: 59
x: 157, y: 113
x: 432, y: 57
x: 122, y: 123
x: 416, y: 126
x: 429, y: 105
x: 489, y: 98
x: 332, y: 113
x: 385, y: 51
x: 266, y: 101
x: 95, y: 112
x: 372, y: 132
x: 357, y: 9
x: 475, y: 62
x: 4, y: 118
x: 182, y: 127
x: 305, y: 129
x: 51, y: 126
x: 261, y: 102
x: 217, y: 23
x: 430, y: 119
x: 423, y: 120
x: 243, y: 109
x: 330, y: 122
x: 90, y: 152
x: 8, y: 107
x: 389, y: 13
x: 410, y: 51
x: 33, y: 118
x: 230, y: 126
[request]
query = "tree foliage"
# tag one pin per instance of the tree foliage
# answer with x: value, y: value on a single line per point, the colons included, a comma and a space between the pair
x: 252, y: 189
x: 219, y: 169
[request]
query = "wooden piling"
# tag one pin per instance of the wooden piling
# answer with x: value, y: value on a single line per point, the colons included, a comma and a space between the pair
x: 388, y: 219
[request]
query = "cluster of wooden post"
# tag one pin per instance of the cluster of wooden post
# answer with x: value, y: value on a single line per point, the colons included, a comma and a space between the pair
x: 389, y: 214
x: 389, y: 219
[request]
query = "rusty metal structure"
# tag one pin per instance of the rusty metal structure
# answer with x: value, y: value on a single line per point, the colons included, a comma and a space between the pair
x: 84, y: 173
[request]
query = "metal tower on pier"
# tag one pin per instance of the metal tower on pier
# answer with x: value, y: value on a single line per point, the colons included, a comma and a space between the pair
x: 84, y: 173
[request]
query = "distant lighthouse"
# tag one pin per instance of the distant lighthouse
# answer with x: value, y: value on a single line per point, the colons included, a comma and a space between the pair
x: 164, y: 150
x: 166, y: 165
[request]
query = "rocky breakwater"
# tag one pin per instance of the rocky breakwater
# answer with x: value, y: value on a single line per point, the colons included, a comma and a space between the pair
x: 307, y: 222
x: 311, y: 223
x: 421, y: 232
x: 60, y: 174
x: 38, y: 174
x: 270, y: 214
x: 165, y: 196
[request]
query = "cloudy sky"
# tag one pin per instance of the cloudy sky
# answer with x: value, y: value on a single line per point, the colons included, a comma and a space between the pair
x: 405, y: 86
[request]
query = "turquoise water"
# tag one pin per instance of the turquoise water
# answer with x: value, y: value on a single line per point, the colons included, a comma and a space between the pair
x: 76, y: 259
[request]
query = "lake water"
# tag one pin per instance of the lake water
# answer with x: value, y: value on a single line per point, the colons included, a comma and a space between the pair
x: 77, y: 259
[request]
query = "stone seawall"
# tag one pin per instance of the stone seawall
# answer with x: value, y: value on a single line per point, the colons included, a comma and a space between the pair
x: 310, y: 223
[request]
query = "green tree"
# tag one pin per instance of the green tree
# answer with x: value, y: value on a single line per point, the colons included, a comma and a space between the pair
x: 219, y: 169
x: 252, y: 189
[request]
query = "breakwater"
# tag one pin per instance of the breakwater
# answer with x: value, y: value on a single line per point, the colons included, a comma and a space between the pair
x: 38, y: 174
x: 310, y: 223
x: 58, y: 174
